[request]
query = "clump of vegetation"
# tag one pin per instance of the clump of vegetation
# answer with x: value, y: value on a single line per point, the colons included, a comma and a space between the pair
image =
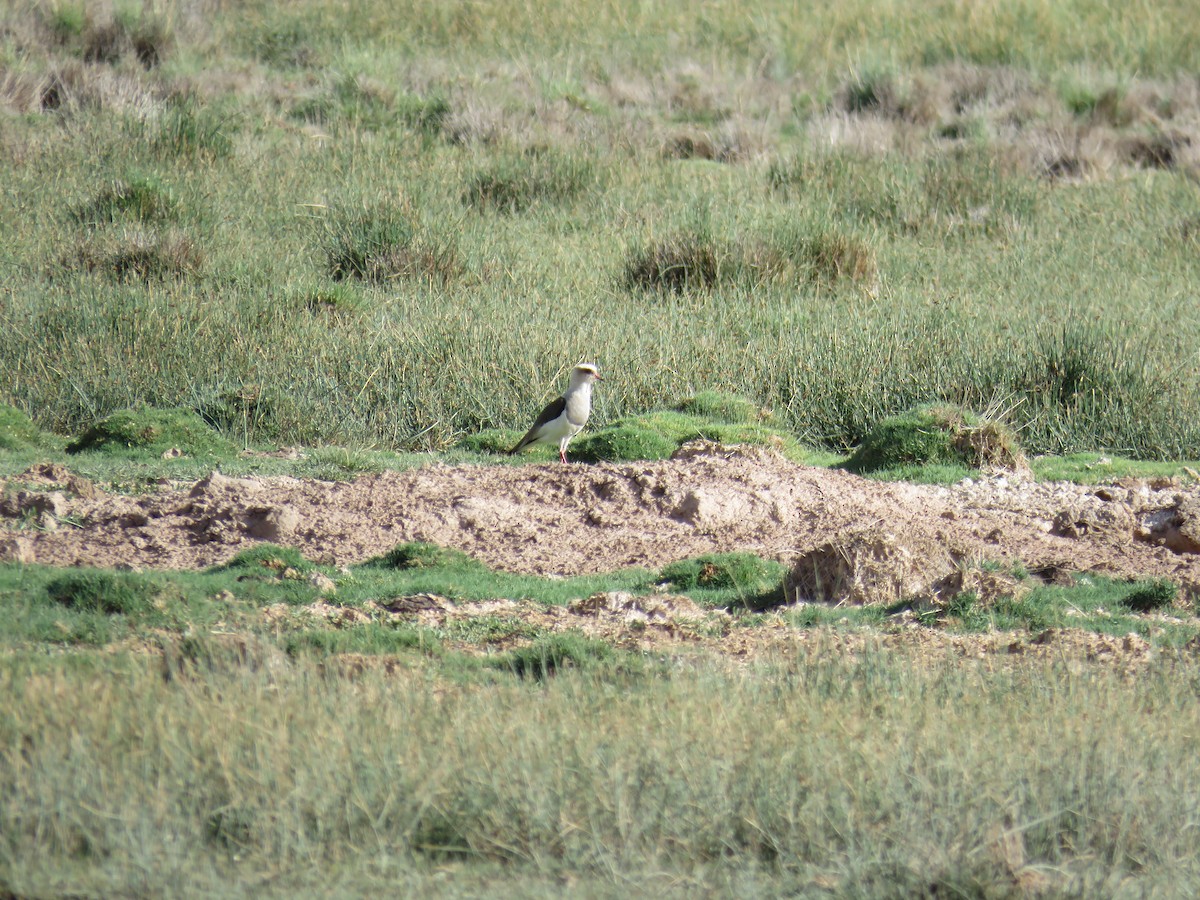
x: 95, y: 590
x: 427, y: 114
x: 188, y: 130
x: 756, y: 582
x: 1087, y: 378
x: 420, y: 555
x: 352, y: 100
x: 719, y: 407
x: 624, y: 440
x: 202, y: 655
x: 273, y: 558
x: 682, y: 262
x: 1147, y: 596
x: 108, y: 39
x: 550, y: 654
x: 379, y: 243
x: 695, y: 260
x: 514, y: 184
x: 17, y: 430
x: 832, y: 256
x: 491, y: 440
x: 140, y: 198
x: 976, y: 190
x: 936, y: 434
x: 873, y: 90
x: 155, y: 430
x: 144, y: 256
x: 287, y: 44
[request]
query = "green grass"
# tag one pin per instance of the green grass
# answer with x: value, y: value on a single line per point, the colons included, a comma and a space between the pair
x: 931, y: 440
x: 816, y: 770
x: 355, y: 256
x: 153, y: 430
x: 227, y: 731
x: 378, y: 232
x: 735, y: 580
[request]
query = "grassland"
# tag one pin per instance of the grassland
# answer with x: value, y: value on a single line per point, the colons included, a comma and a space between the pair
x: 195, y: 739
x: 393, y: 229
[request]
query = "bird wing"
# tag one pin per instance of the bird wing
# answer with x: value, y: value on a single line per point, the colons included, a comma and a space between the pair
x: 549, y: 414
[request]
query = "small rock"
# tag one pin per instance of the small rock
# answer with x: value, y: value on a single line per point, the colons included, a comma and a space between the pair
x: 322, y: 583
x: 173, y: 453
x: 270, y: 523
x: 216, y: 482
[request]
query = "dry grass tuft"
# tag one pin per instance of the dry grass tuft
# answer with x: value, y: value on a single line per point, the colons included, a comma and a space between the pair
x: 871, y: 566
x: 138, y: 255
x: 379, y: 244
x: 679, y: 263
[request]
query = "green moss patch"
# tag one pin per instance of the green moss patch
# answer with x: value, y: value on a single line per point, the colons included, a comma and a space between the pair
x: 727, y: 408
x: 420, y: 555
x: 936, y: 435
x: 94, y: 590
x: 156, y: 430
x: 736, y: 579
x: 17, y: 430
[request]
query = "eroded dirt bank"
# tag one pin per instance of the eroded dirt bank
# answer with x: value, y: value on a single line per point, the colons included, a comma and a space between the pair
x: 574, y: 519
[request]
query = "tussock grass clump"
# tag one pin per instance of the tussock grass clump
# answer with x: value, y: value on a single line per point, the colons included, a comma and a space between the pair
x: 420, y: 555
x: 351, y: 100
x: 976, y: 189
x: 96, y: 590
x: 154, y: 430
x: 833, y: 256
x: 876, y: 91
x: 427, y: 114
x: 364, y: 244
x: 756, y: 582
x: 693, y: 260
x: 140, y: 198
x: 1090, y: 379
x: 965, y: 190
x: 683, y: 262
x: 719, y: 407
x: 359, y: 102
x: 380, y: 243
x: 139, y: 255
x: 270, y: 557
x: 17, y: 430
x: 513, y: 184
x: 623, y: 441
x: 288, y: 44
x: 858, y: 189
x: 201, y: 656
x: 1148, y: 596
x: 551, y: 654
x: 189, y: 130
x: 936, y: 434
x: 107, y: 38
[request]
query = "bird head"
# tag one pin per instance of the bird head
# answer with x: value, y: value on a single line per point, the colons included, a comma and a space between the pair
x: 585, y: 373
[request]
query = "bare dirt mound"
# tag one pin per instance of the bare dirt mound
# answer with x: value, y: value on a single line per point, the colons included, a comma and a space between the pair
x: 574, y: 519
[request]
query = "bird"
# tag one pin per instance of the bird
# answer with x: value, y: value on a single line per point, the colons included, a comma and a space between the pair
x: 565, y: 417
